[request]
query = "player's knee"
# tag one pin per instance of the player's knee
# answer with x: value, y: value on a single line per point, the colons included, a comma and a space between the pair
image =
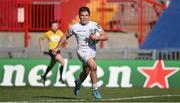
x: 87, y: 71
x: 62, y: 63
x: 92, y: 64
x: 93, y: 67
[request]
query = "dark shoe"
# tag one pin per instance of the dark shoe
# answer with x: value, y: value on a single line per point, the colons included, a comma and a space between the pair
x: 77, y: 88
x: 61, y: 80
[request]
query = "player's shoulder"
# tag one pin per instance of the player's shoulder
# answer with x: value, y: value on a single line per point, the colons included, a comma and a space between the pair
x: 93, y: 23
x: 59, y: 31
x: 48, y: 32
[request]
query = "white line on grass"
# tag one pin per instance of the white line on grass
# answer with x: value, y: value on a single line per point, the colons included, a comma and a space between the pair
x: 63, y: 100
x: 114, y: 99
x: 101, y: 100
x: 140, y: 97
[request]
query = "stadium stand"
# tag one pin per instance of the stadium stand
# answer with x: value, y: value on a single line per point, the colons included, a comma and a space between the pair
x: 165, y: 34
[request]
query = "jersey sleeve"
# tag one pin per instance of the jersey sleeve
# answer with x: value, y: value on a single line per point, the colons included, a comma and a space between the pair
x: 98, y: 27
x: 70, y: 32
x: 44, y: 36
x: 61, y: 33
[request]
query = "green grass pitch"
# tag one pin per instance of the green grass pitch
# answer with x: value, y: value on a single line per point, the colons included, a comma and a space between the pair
x: 65, y: 94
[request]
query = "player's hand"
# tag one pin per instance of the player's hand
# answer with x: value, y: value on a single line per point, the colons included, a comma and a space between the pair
x: 54, y: 51
x: 93, y: 37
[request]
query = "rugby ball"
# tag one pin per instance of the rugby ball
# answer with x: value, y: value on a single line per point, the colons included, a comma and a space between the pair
x: 97, y: 33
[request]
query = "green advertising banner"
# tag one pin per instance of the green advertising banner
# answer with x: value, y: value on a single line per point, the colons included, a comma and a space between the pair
x: 111, y: 73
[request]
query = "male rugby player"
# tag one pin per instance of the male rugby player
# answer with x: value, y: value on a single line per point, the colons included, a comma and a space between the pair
x: 86, y: 49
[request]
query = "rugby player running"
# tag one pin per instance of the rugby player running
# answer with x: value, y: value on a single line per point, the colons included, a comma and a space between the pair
x: 86, y: 48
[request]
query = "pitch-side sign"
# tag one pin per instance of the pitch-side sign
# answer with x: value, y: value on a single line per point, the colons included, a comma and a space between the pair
x: 111, y: 73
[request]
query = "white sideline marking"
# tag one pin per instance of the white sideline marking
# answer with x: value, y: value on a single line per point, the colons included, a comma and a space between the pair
x: 102, y: 100
x: 115, y: 99
x: 141, y: 97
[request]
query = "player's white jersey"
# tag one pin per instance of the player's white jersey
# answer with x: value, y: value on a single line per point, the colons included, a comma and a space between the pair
x: 82, y: 33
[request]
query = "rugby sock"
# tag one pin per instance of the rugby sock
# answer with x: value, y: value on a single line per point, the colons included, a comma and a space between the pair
x: 47, y: 71
x: 61, y: 71
x: 94, y: 86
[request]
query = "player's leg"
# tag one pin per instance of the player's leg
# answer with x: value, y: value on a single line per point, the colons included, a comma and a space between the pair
x: 93, y: 74
x: 60, y: 59
x: 50, y: 66
x: 83, y: 75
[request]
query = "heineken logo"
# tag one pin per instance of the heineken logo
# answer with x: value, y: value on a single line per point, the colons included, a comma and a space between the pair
x: 112, y: 75
x: 157, y: 75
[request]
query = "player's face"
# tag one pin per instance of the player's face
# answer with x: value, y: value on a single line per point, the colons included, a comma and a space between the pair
x: 84, y: 17
x: 54, y: 26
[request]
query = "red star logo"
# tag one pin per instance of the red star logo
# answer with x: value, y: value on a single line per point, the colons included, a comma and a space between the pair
x: 157, y: 75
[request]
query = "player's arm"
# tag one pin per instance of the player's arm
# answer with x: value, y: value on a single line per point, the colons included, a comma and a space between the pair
x: 103, y: 36
x: 41, y: 44
x: 63, y: 40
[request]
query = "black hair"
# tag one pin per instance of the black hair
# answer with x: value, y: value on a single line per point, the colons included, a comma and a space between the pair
x: 83, y: 9
x: 52, y: 22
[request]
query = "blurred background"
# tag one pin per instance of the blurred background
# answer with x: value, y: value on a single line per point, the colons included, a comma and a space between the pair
x: 137, y: 29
